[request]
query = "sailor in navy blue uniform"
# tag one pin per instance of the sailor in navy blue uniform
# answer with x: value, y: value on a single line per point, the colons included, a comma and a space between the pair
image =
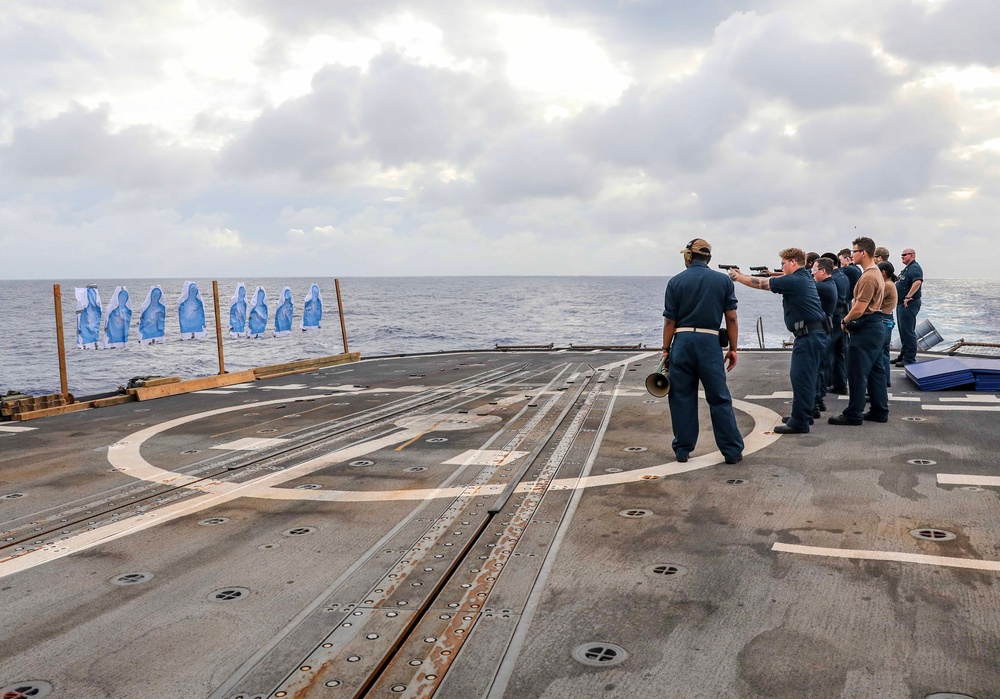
x: 804, y: 318
x: 826, y: 287
x: 694, y: 304
x: 911, y: 278
x: 836, y: 372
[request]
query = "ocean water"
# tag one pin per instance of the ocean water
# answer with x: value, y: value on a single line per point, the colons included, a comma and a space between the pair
x: 402, y: 315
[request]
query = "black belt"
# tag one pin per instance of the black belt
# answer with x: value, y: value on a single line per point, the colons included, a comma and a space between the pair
x: 803, y: 328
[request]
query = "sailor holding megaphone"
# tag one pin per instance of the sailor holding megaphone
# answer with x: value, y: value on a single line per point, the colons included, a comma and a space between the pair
x: 695, y: 302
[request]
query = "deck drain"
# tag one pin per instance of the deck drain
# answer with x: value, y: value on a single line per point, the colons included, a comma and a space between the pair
x: 932, y: 534
x: 437, y: 440
x: 229, y: 594
x: 948, y: 695
x: 309, y: 486
x: 612, y: 470
x: 35, y: 689
x: 634, y: 449
x: 11, y: 496
x: 736, y: 481
x: 915, y: 419
x: 636, y: 513
x: 126, y: 579
x: 270, y: 429
x: 921, y: 462
x: 600, y: 654
x: 213, y: 521
x: 667, y: 570
x: 268, y: 547
x: 415, y: 469
x: 972, y: 488
x: 651, y: 401
x: 362, y: 462
x: 190, y: 451
x: 298, y: 531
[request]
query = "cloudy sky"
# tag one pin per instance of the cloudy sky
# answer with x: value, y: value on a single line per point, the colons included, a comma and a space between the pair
x: 222, y: 138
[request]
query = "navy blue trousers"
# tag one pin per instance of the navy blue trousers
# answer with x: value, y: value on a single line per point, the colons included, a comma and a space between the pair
x: 889, y: 324
x: 697, y: 357
x: 807, y: 354
x: 906, y: 321
x: 823, y: 375
x: 865, y: 370
x: 838, y: 363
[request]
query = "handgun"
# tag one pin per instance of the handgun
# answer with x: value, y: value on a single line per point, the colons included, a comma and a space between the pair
x: 728, y: 267
x: 760, y: 271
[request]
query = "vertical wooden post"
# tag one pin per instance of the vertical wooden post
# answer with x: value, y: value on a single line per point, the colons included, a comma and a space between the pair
x: 218, y: 327
x: 340, y: 308
x: 60, y: 342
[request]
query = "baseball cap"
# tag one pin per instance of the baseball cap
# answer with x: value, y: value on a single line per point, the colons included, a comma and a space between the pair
x: 699, y: 246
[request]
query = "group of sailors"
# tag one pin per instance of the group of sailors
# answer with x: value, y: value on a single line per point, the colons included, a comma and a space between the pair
x: 839, y: 308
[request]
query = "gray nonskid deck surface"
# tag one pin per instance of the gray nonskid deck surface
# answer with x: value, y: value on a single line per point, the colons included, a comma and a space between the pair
x: 365, y: 552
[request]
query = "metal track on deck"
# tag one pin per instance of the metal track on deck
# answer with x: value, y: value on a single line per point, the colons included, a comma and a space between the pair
x: 404, y: 636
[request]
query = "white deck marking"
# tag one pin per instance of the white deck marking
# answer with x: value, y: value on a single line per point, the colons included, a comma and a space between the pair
x: 347, y: 388
x: 972, y: 398
x: 286, y: 387
x: 899, y: 399
x: 628, y: 360
x: 776, y: 394
x: 897, y: 556
x: 251, y: 444
x: 483, y: 457
x: 961, y: 479
x: 16, y: 428
x: 125, y: 455
x: 966, y: 408
x: 216, y: 391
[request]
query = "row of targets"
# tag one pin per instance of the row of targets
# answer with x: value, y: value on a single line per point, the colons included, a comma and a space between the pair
x: 248, y: 317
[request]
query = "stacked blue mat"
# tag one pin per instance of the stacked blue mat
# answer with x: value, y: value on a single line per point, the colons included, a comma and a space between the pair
x: 953, y: 372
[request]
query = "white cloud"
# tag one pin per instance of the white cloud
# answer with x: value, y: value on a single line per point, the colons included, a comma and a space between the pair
x: 533, y: 136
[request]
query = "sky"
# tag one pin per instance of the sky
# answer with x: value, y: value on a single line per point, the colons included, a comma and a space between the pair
x: 228, y: 138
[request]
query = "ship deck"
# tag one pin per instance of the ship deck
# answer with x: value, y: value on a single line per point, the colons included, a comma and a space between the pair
x: 498, y: 524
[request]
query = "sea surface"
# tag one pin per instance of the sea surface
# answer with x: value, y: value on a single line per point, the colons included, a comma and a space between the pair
x: 402, y: 315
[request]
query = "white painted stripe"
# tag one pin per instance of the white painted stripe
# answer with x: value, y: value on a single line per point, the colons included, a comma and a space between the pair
x: 286, y: 387
x: 972, y: 398
x: 965, y: 408
x: 16, y: 428
x: 250, y: 444
x: 962, y: 479
x: 898, y: 399
x: 897, y: 556
x: 776, y: 394
x: 484, y: 457
x: 216, y: 391
x: 628, y: 360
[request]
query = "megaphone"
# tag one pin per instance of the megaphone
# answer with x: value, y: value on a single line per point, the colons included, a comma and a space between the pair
x: 657, y: 383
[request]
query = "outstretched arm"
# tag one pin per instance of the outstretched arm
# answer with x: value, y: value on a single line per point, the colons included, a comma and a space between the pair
x: 747, y: 280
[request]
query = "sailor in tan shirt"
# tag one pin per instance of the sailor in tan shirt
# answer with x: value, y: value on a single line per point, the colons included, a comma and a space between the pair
x: 864, y: 353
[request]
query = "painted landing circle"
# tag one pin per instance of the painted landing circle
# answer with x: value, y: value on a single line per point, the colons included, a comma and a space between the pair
x: 125, y: 456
